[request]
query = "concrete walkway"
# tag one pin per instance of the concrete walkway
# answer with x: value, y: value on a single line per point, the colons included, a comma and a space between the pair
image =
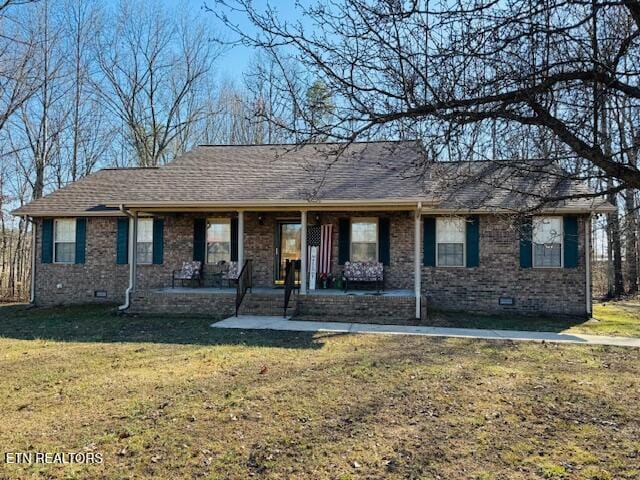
x: 256, y: 322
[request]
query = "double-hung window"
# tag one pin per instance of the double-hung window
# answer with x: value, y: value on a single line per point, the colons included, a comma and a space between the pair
x: 547, y: 241
x: 64, y: 240
x: 364, y: 240
x: 218, y: 240
x: 450, y: 241
x: 144, y: 244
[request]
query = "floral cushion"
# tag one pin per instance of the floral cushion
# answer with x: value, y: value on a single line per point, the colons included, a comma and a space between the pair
x: 363, y: 271
x: 189, y: 270
x: 232, y: 273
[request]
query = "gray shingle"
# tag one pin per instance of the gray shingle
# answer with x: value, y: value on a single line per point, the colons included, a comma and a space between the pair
x: 381, y: 171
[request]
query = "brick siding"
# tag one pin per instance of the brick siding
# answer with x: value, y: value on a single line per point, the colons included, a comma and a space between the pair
x: 474, y: 289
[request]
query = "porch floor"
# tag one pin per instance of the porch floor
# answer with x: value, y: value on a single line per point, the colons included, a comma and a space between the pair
x: 397, y: 292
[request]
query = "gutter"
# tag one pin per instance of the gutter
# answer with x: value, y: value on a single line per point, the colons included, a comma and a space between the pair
x: 132, y: 270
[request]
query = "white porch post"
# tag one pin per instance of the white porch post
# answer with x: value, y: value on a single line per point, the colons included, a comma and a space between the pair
x: 240, y: 239
x: 417, y: 274
x: 133, y: 250
x: 587, y: 263
x: 303, y: 252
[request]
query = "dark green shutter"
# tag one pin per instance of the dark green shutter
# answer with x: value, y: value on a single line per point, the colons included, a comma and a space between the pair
x: 526, y: 232
x: 384, y: 241
x: 47, y: 240
x: 158, y: 241
x: 473, y: 241
x: 234, y: 239
x: 81, y: 239
x: 344, y: 239
x: 122, y: 241
x: 429, y: 242
x: 570, y: 229
x: 199, y: 239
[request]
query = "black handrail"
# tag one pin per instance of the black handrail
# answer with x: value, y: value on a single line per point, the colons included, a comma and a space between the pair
x: 245, y: 281
x: 289, y: 283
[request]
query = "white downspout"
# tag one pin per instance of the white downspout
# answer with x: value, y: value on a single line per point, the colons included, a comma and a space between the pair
x: 133, y: 230
x: 417, y: 273
x: 587, y: 263
x: 34, y: 243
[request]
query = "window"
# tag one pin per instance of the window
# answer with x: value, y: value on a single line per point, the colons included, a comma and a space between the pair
x: 364, y: 240
x: 450, y: 240
x: 64, y: 241
x: 547, y: 242
x: 144, y: 244
x: 218, y: 240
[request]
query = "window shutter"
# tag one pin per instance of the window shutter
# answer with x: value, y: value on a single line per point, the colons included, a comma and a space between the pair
x: 429, y: 242
x: 526, y: 232
x: 122, y: 241
x: 384, y: 241
x: 234, y: 239
x: 473, y: 241
x: 199, y: 239
x: 570, y: 229
x: 81, y: 239
x: 344, y: 238
x: 47, y: 240
x: 158, y: 241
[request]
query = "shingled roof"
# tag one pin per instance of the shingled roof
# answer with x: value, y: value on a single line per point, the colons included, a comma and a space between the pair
x: 367, y: 173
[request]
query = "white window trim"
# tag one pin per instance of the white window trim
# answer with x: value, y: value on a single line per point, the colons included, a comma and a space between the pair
x: 533, y: 245
x: 364, y: 220
x: 55, y: 222
x: 464, y: 246
x: 146, y: 219
x: 211, y: 220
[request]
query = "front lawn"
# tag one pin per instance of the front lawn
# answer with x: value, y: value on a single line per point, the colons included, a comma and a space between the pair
x: 621, y: 318
x: 170, y: 398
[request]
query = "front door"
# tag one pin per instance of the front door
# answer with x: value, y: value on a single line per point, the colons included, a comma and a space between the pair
x: 287, y: 248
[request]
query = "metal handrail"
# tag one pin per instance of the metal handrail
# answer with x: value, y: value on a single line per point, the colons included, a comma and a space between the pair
x: 289, y: 283
x: 245, y: 282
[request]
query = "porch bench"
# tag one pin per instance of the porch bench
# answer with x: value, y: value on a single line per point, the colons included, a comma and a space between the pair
x: 189, y: 271
x: 369, y: 272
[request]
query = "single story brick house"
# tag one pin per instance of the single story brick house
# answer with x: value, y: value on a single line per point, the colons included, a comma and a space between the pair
x: 446, y: 234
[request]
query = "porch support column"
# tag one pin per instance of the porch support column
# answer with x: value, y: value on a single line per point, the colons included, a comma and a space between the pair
x: 587, y: 263
x: 133, y: 250
x: 240, y: 239
x: 417, y: 274
x: 303, y: 252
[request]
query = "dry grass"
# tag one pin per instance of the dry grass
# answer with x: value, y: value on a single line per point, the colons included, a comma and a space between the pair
x: 171, y: 398
x: 621, y: 318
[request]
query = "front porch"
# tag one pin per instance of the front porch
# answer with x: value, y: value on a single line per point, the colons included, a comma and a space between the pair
x: 389, y: 306
x: 317, y: 242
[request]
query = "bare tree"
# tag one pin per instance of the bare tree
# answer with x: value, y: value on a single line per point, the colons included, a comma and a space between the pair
x: 153, y: 74
x: 439, y: 67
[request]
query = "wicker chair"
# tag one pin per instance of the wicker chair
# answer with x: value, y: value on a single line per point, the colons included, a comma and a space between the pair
x: 232, y: 274
x: 190, y: 271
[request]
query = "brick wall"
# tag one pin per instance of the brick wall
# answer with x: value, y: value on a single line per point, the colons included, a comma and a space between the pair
x: 534, y: 290
x: 474, y: 289
x: 68, y: 284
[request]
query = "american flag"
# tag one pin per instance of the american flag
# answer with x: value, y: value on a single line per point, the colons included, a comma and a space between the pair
x: 321, y: 236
